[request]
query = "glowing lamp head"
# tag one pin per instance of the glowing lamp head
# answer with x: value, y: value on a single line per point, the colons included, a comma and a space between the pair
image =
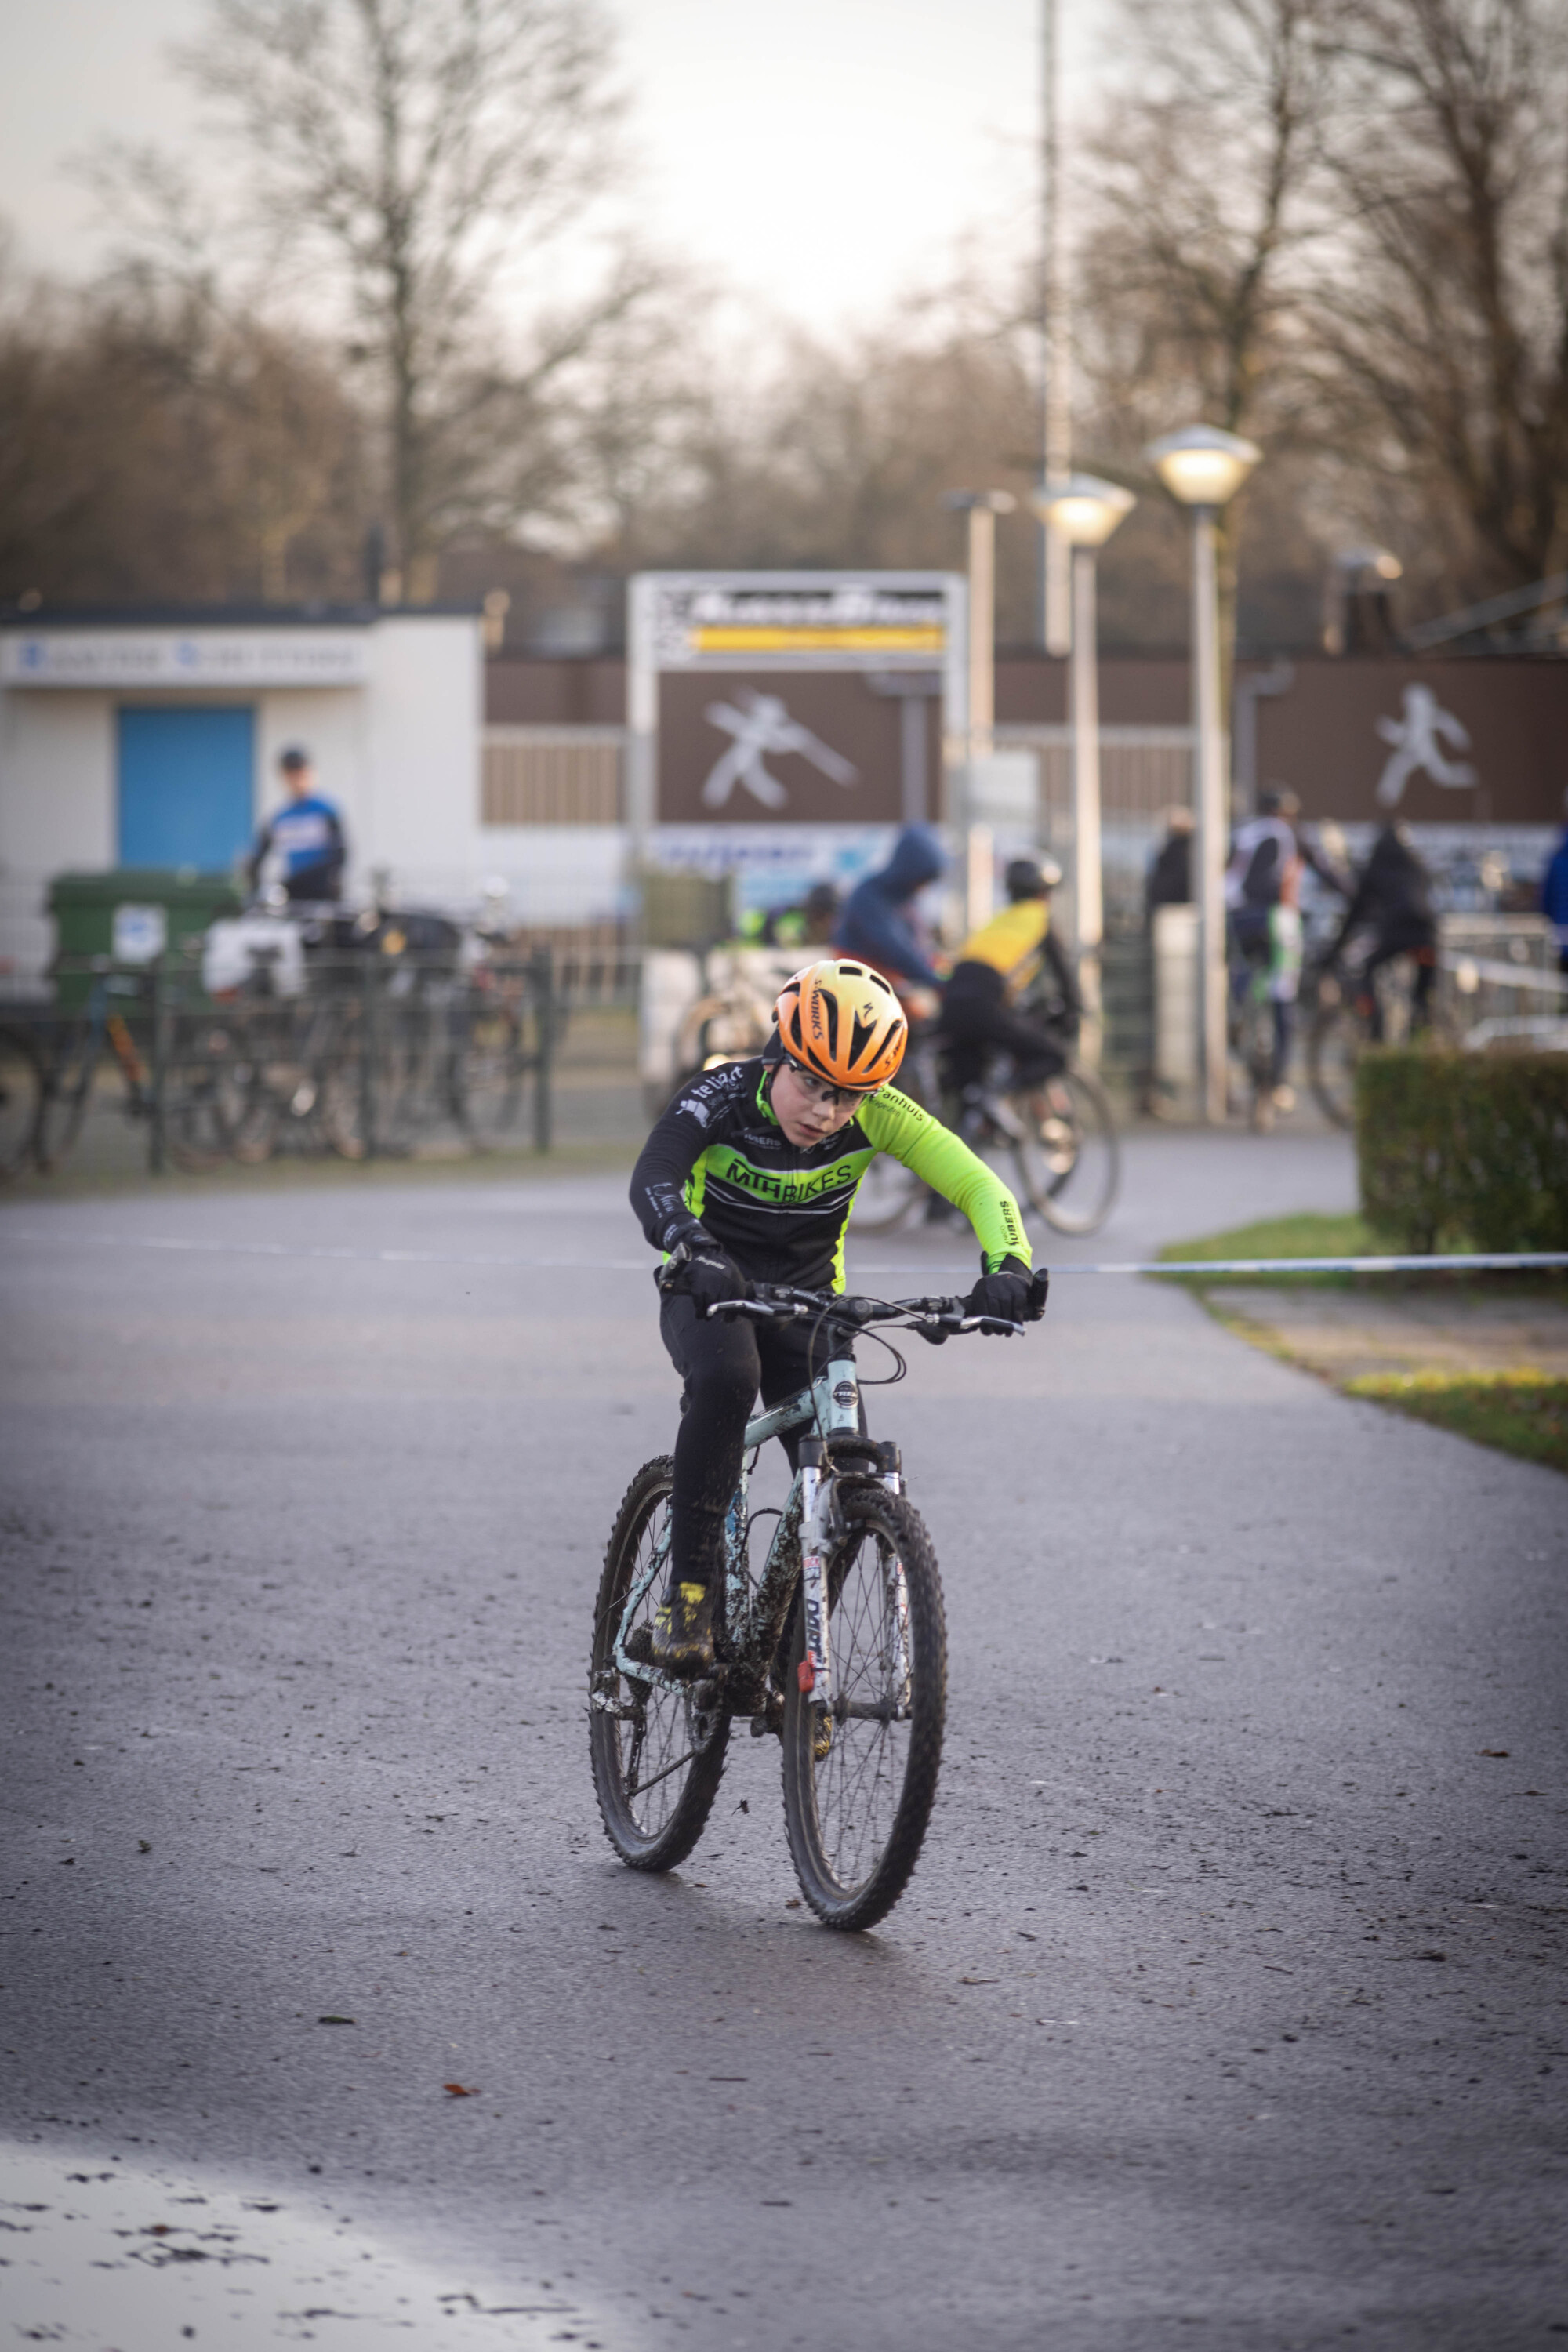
x: 1083, y: 509
x: 1201, y: 466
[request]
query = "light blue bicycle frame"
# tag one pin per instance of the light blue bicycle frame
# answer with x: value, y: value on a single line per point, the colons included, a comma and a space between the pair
x: 832, y: 1406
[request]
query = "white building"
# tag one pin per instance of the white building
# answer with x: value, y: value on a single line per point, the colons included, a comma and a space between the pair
x: 153, y: 740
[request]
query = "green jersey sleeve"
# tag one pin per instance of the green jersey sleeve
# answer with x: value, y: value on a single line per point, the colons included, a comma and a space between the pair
x: 891, y: 1122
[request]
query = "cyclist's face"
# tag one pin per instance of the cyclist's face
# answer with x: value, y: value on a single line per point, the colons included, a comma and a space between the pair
x: 807, y: 1108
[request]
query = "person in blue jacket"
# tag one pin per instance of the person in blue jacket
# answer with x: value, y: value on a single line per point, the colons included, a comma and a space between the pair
x: 877, y: 924
x: 308, y: 835
x: 1554, y: 895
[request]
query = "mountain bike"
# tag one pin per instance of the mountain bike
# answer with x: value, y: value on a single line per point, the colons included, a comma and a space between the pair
x: 836, y: 1643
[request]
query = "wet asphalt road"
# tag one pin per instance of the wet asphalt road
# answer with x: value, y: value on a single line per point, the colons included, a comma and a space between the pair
x: 1227, y: 2008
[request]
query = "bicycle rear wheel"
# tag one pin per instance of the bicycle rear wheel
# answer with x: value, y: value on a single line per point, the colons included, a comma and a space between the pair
x: 859, y: 1776
x: 1069, y: 1156
x: 657, y: 1757
x: 20, y: 1100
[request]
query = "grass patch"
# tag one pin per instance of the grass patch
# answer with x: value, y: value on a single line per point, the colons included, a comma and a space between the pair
x: 1307, y: 1235
x: 1521, y: 1413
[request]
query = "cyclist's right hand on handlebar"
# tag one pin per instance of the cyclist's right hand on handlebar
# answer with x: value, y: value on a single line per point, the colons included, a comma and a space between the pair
x: 1012, y: 1294
x: 703, y: 1273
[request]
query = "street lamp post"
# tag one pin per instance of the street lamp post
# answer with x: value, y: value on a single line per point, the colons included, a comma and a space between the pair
x: 1084, y: 511
x: 1203, y: 468
x: 982, y: 507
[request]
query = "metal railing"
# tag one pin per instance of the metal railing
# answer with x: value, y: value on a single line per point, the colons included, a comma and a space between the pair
x: 364, y: 1055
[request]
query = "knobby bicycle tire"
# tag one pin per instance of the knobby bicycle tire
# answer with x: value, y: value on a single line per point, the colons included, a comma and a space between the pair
x: 859, y: 1788
x: 643, y: 1746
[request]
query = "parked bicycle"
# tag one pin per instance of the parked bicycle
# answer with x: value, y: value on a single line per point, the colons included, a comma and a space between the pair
x: 109, y: 1050
x: 836, y: 1643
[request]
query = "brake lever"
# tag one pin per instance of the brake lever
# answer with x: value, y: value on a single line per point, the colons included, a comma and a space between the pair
x: 934, y: 1333
x: 993, y: 1323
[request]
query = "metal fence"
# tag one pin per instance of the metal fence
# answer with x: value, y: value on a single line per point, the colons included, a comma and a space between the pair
x: 359, y: 1054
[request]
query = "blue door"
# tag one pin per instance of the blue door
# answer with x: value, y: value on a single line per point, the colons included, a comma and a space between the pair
x: 187, y: 786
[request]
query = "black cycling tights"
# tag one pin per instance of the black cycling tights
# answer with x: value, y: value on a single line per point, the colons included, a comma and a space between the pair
x: 723, y: 1365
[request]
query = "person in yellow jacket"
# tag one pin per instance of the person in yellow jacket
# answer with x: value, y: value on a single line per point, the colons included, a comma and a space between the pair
x: 996, y: 966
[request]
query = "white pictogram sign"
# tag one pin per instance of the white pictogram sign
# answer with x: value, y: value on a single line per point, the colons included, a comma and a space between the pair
x: 759, y: 723
x: 1418, y: 740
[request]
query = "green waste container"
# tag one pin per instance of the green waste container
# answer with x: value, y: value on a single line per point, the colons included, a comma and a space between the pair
x: 85, y: 907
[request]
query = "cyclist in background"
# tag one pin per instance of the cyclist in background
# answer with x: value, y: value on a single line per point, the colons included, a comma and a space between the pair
x: 995, y: 967
x: 878, y: 926
x: 750, y: 1176
x: 306, y: 833
x: 1394, y: 898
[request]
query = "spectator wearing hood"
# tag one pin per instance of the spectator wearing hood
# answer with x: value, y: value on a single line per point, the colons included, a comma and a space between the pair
x: 877, y: 924
x: 1554, y: 895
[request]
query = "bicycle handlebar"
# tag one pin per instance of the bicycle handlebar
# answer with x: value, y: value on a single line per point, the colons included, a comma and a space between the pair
x: 935, y: 1320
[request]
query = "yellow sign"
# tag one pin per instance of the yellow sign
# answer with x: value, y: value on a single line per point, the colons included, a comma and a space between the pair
x: 775, y: 640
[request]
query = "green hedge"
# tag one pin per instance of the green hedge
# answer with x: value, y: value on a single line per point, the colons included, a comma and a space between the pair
x: 1464, y: 1151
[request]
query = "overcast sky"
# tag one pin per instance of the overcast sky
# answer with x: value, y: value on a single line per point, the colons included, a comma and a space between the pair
x: 819, y: 154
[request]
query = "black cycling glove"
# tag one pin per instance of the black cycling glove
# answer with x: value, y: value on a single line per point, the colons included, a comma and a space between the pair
x: 701, y: 1270
x: 1012, y: 1294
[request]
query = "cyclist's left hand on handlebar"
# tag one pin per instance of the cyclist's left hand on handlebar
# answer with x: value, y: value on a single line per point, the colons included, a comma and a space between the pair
x: 705, y: 1272
x: 1012, y: 1294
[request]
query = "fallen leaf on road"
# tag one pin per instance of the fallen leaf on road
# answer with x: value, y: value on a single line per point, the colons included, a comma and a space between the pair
x: 336, y: 2021
x: 143, y: 1845
x: 1488, y: 1751
x: 460, y: 2090
x: 979, y: 1981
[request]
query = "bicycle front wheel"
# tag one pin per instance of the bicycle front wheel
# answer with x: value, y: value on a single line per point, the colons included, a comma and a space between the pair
x: 657, y: 1756
x: 486, y: 1077
x: 860, y: 1774
x: 67, y: 1084
x: 1069, y: 1156
x: 1333, y: 1049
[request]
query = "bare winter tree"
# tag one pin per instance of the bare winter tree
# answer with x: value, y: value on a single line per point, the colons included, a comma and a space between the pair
x: 151, y: 447
x: 413, y: 159
x: 1448, y: 328
x: 1203, y: 190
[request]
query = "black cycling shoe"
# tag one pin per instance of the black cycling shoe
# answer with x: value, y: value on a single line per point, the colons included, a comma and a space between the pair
x: 683, y: 1632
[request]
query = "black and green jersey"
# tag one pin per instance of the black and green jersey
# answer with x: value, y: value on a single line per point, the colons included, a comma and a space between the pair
x: 719, y: 1161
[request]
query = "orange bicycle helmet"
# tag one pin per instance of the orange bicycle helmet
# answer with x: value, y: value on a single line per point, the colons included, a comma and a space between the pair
x: 843, y: 1023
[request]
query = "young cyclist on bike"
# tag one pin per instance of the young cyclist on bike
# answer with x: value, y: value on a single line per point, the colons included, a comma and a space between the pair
x: 750, y: 1176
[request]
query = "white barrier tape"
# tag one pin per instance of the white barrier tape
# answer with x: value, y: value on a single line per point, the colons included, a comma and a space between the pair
x: 1475, y: 1261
